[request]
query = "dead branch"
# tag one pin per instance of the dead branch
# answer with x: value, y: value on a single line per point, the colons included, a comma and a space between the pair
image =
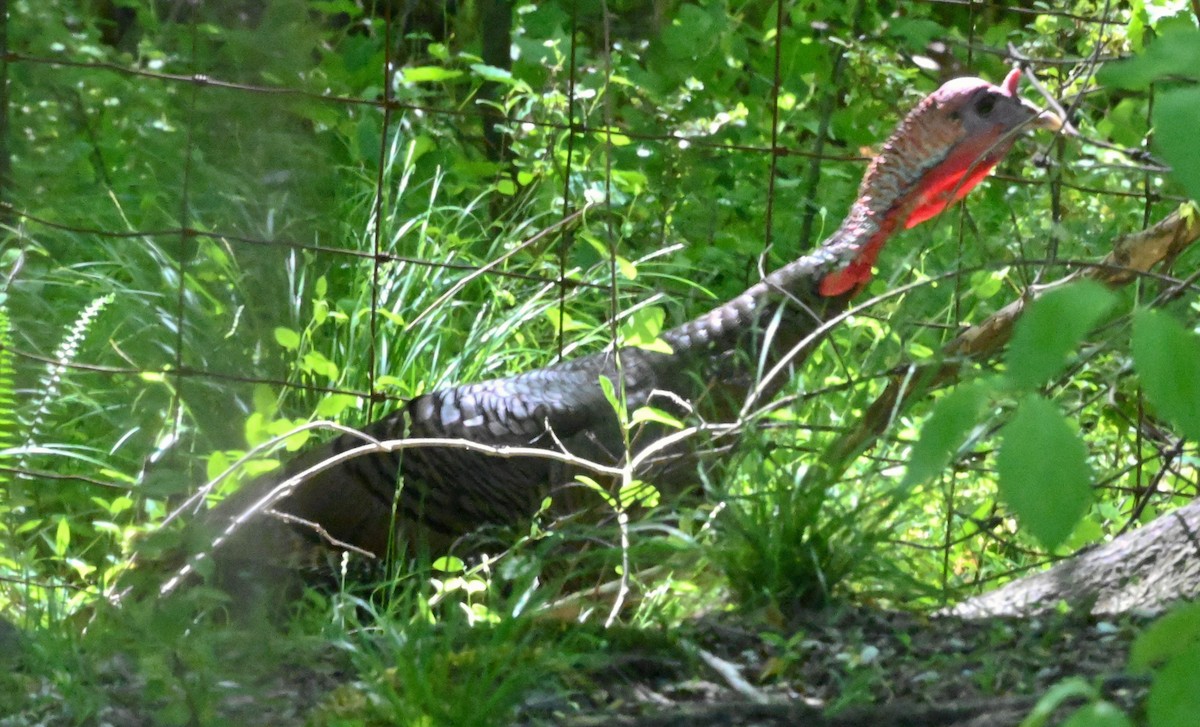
x: 1133, y: 255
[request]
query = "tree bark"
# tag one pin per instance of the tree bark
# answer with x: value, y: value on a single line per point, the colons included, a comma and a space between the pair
x: 1143, y: 570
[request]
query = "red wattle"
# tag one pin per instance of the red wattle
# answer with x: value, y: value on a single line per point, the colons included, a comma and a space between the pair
x: 940, y: 188
x: 857, y: 274
x: 843, y: 281
x: 945, y: 187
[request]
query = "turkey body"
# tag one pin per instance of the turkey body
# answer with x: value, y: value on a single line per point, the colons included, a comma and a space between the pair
x: 430, y: 497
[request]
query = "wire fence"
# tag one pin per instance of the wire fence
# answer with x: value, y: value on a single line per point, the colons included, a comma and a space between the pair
x: 178, y: 260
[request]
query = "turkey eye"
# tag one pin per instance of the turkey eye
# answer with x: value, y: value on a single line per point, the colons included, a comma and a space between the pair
x: 985, y: 105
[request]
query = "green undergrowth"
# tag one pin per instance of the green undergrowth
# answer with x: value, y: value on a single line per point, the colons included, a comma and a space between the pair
x: 193, y: 270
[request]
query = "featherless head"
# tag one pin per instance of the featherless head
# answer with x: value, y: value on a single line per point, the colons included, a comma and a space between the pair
x: 941, y: 150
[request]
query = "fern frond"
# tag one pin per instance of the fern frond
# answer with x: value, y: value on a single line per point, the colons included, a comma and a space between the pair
x: 64, y: 355
x: 8, y: 409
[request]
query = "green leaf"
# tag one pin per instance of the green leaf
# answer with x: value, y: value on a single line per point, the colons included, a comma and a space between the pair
x: 62, y: 537
x: 333, y: 405
x: 1166, y: 357
x: 642, y: 327
x: 612, y: 136
x: 429, y: 74
x: 951, y: 421
x: 1176, y: 54
x: 287, y: 338
x: 392, y: 317
x: 986, y: 283
x: 448, y: 564
x: 255, y: 429
x: 628, y: 269
x: 1098, y: 714
x: 297, y: 437
x: 216, y: 464
x: 1166, y: 638
x: 320, y: 312
x: 1174, y: 700
x: 1175, y: 115
x: 266, y: 401
x: 316, y: 363
x: 1054, y: 697
x: 501, y: 76
x: 692, y: 33
x: 596, y: 487
x: 1043, y: 471
x: 657, y: 416
x: 610, y: 393
x: 917, y: 32
x: 637, y: 492
x: 1051, y: 329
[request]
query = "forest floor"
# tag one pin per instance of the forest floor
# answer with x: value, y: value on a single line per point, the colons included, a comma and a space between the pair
x: 860, y: 667
x: 841, y: 666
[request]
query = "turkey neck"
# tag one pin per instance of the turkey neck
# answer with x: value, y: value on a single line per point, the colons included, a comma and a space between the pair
x: 781, y: 316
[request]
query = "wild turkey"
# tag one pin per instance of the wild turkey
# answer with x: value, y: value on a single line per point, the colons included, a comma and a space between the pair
x: 430, y: 496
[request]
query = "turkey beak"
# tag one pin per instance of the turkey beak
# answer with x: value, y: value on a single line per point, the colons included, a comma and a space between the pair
x: 1039, y: 118
x: 1042, y: 118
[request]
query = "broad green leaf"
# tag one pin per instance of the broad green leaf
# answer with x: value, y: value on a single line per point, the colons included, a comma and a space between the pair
x: 448, y: 564
x: 1043, y: 471
x: 1166, y: 357
x: 255, y: 428
x: 1167, y: 638
x: 316, y: 363
x: 266, y: 401
x: 334, y: 404
x: 1175, y: 115
x: 287, y: 338
x: 1174, y: 700
x: 1176, y: 54
x: 691, y: 33
x: 946, y: 429
x: 1051, y: 330
x: 288, y: 427
x: 119, y: 505
x: 986, y: 283
x: 642, y: 327
x: 366, y: 138
x: 216, y: 464
x: 917, y: 32
x: 562, y: 321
